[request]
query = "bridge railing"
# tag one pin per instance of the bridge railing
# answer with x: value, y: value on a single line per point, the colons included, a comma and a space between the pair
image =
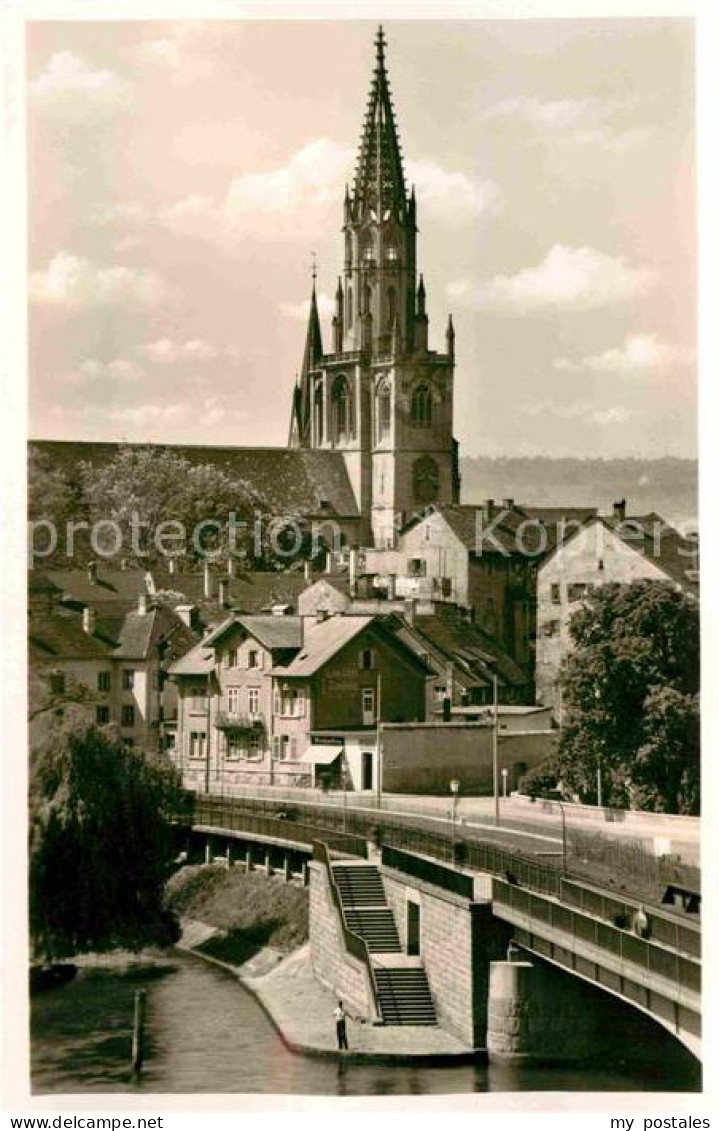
x: 353, y: 943
x: 667, y: 927
x: 422, y: 869
x: 218, y: 813
x: 644, y: 954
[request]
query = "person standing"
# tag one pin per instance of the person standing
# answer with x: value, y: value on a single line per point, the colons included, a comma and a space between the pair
x: 340, y: 1017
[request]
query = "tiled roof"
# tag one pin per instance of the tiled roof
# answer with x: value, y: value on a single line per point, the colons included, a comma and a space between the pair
x: 198, y: 661
x: 129, y: 636
x: 111, y: 585
x: 468, y: 646
x: 322, y: 641
x: 291, y: 481
x: 61, y: 636
x: 273, y: 632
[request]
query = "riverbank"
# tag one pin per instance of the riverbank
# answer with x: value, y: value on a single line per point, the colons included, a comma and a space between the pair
x: 300, y: 1009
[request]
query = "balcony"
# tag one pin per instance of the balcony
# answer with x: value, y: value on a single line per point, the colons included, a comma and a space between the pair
x: 241, y: 725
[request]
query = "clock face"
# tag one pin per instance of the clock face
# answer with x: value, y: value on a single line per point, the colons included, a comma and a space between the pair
x: 425, y: 480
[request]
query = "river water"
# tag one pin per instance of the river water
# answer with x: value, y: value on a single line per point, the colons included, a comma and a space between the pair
x: 207, y: 1034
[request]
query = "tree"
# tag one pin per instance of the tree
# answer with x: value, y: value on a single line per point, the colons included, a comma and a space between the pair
x: 101, y: 843
x: 53, y: 502
x: 630, y: 693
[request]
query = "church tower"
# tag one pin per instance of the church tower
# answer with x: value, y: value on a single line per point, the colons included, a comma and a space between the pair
x: 381, y: 396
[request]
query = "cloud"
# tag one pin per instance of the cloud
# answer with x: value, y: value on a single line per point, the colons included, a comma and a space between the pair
x: 294, y: 200
x: 579, y: 278
x: 68, y: 83
x: 637, y: 352
x: 575, y: 121
x: 301, y: 310
x: 74, y: 282
x: 91, y: 370
x: 452, y: 198
x: 179, y: 52
x: 580, y: 410
x: 120, y: 212
x: 141, y: 419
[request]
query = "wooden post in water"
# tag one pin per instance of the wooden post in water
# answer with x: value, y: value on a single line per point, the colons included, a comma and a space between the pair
x: 138, y: 1031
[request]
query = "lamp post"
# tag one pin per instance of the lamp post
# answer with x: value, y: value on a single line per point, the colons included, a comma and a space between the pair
x: 454, y: 789
x: 495, y: 747
x: 564, y: 837
x: 505, y: 775
x: 598, y: 696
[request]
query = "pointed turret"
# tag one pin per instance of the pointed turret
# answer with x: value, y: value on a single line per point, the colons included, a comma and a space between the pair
x: 421, y: 320
x: 379, y: 180
x: 421, y: 297
x: 313, y: 341
x: 449, y: 337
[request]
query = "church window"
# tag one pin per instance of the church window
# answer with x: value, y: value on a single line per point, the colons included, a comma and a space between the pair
x: 391, y: 254
x: 349, y: 307
x: 384, y: 411
x: 367, y: 299
x: 319, y: 416
x: 421, y: 412
x: 425, y: 479
x: 391, y: 306
x: 341, y: 409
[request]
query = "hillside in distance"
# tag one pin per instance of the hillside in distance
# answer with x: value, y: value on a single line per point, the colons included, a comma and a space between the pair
x: 668, y: 486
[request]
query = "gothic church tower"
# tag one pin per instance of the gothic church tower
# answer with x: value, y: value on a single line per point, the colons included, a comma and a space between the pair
x: 381, y: 397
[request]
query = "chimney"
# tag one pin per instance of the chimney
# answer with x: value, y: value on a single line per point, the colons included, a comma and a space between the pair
x: 321, y: 616
x: 172, y: 566
x: 187, y: 614
x: 328, y: 562
x: 308, y: 572
x: 231, y: 567
x: 392, y: 587
x: 208, y: 581
x: 508, y: 504
x: 488, y: 507
x: 620, y: 509
x: 410, y: 607
x: 354, y: 555
x: 142, y: 604
x: 223, y: 595
x: 92, y: 572
x: 89, y: 619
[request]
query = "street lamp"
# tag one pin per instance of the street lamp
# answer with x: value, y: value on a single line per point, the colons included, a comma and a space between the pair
x: 454, y: 789
x: 505, y: 775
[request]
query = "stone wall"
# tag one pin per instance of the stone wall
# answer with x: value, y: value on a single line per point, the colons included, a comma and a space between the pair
x: 425, y: 757
x: 458, y: 939
x: 331, y: 965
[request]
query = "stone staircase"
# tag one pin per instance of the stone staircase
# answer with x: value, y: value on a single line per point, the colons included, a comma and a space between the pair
x: 403, y: 989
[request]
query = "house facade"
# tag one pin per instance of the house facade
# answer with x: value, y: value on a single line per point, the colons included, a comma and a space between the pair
x: 617, y: 548
x: 295, y: 701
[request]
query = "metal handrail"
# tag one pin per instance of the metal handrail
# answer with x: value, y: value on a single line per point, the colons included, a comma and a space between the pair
x: 353, y: 942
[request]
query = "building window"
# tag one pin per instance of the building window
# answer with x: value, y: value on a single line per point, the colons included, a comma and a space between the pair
x: 235, y: 750
x: 253, y: 700
x: 421, y: 411
x: 254, y: 749
x: 231, y: 658
x: 127, y: 718
x: 556, y: 594
x: 57, y: 683
x: 368, y: 701
x: 253, y: 658
x: 197, y: 744
x: 281, y: 747
x: 384, y: 410
x: 577, y: 591
x: 233, y: 701
x: 391, y: 307
x: 349, y: 307
x: 418, y: 566
x: 128, y: 679
x: 197, y: 703
x: 319, y: 415
x: 551, y: 628
x: 104, y: 680
x: 341, y: 409
x: 289, y: 702
x: 367, y: 659
x: 102, y: 716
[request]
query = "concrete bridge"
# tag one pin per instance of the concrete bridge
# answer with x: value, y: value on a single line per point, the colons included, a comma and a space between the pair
x: 555, y: 921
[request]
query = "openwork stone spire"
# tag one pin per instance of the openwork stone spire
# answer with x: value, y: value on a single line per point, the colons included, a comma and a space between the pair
x: 379, y: 184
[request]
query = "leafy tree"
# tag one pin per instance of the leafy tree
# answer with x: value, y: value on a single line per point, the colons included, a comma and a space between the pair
x: 101, y: 843
x: 630, y: 693
x: 542, y: 778
x: 53, y: 499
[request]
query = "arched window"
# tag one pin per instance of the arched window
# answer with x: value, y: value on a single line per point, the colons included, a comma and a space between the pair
x: 421, y: 412
x: 319, y: 414
x: 367, y: 299
x: 348, y: 303
x: 391, y: 306
x: 341, y: 409
x: 384, y: 410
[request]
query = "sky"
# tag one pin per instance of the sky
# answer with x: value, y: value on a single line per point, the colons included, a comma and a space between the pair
x: 182, y: 174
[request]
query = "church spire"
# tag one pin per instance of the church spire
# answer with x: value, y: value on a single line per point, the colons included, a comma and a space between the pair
x: 379, y: 180
x: 313, y: 341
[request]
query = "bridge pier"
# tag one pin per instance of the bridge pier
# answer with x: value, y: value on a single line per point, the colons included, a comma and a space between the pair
x: 248, y: 859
